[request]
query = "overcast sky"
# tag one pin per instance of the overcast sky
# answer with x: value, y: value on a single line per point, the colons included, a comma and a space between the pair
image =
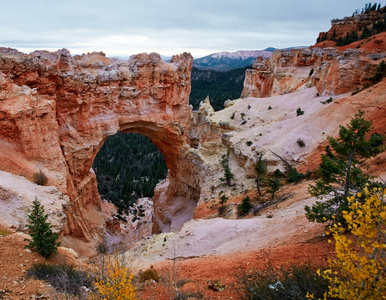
x: 126, y: 27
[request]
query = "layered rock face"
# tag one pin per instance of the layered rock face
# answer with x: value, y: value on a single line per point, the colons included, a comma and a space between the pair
x: 329, y: 70
x: 56, y: 110
x: 356, y: 23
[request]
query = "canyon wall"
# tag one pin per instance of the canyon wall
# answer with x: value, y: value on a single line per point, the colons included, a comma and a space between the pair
x: 331, y: 71
x: 56, y: 110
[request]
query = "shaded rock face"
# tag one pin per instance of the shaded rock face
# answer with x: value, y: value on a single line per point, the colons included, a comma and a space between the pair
x: 329, y: 70
x: 56, y: 110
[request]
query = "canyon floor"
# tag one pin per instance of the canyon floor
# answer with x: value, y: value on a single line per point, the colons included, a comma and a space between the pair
x: 203, y: 251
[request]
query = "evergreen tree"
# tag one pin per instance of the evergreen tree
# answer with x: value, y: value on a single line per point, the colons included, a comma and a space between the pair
x: 245, y: 206
x: 261, y: 172
x: 339, y: 172
x: 274, y: 185
x: 43, y: 239
x: 228, y: 175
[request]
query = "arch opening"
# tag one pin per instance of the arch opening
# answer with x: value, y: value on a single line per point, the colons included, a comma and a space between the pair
x: 128, y: 166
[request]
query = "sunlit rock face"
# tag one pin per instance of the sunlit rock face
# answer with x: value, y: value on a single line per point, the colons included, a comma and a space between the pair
x: 56, y: 110
x: 329, y: 70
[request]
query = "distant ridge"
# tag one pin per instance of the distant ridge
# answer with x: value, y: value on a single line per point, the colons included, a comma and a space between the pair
x: 270, y: 49
x: 224, y: 61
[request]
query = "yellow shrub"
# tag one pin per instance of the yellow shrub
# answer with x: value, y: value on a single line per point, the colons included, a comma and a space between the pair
x: 359, y: 270
x: 117, y: 284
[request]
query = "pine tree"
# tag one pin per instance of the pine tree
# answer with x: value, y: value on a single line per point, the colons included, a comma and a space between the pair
x: 274, y: 186
x: 43, y: 239
x: 261, y: 172
x: 340, y: 173
x: 228, y: 175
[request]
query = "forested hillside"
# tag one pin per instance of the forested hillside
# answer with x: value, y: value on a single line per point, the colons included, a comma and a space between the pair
x: 128, y: 166
x: 220, y: 86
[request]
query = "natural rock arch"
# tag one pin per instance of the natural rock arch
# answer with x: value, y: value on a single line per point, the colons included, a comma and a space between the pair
x: 56, y: 111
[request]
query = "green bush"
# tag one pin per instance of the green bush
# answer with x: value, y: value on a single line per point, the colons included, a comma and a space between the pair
x: 278, y: 173
x: 245, y: 206
x: 292, y: 282
x: 64, y: 278
x: 43, y: 239
x: 380, y: 73
x: 301, y: 143
x: 299, y: 112
x: 329, y: 100
x: 295, y: 176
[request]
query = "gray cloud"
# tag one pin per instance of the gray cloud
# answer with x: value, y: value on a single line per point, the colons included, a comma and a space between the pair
x: 121, y: 27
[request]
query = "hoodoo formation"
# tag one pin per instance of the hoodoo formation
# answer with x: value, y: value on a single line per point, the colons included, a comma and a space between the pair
x: 56, y: 110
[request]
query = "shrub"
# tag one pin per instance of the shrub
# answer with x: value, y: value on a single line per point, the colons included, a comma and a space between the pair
x: 245, y: 206
x: 222, y: 208
x: 269, y: 107
x: 360, y: 256
x: 292, y: 282
x: 329, y: 100
x: 294, y: 176
x: 149, y: 274
x: 215, y: 285
x: 40, y: 178
x: 64, y: 278
x: 249, y: 143
x: 299, y: 112
x: 5, y: 232
x: 117, y: 283
x: 43, y: 239
x: 278, y: 173
x: 380, y: 72
x: 300, y: 143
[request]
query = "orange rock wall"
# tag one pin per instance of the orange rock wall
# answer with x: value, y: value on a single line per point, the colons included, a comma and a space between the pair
x: 56, y: 110
x: 340, y: 27
x: 329, y: 70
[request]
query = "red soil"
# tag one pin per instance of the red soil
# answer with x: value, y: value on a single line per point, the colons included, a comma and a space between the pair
x: 224, y: 269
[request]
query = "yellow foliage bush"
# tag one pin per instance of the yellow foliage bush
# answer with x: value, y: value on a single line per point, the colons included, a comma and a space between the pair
x: 359, y: 270
x: 117, y: 283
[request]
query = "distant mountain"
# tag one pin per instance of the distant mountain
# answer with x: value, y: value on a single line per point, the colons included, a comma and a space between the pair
x: 270, y: 49
x: 224, y: 61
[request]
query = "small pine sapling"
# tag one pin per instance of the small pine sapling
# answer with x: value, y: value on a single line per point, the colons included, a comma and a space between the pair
x: 228, y: 175
x: 261, y: 172
x: 43, y: 239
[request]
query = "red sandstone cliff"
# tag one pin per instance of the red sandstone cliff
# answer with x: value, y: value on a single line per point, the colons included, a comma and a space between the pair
x: 56, y: 110
x: 331, y: 71
x: 356, y: 24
